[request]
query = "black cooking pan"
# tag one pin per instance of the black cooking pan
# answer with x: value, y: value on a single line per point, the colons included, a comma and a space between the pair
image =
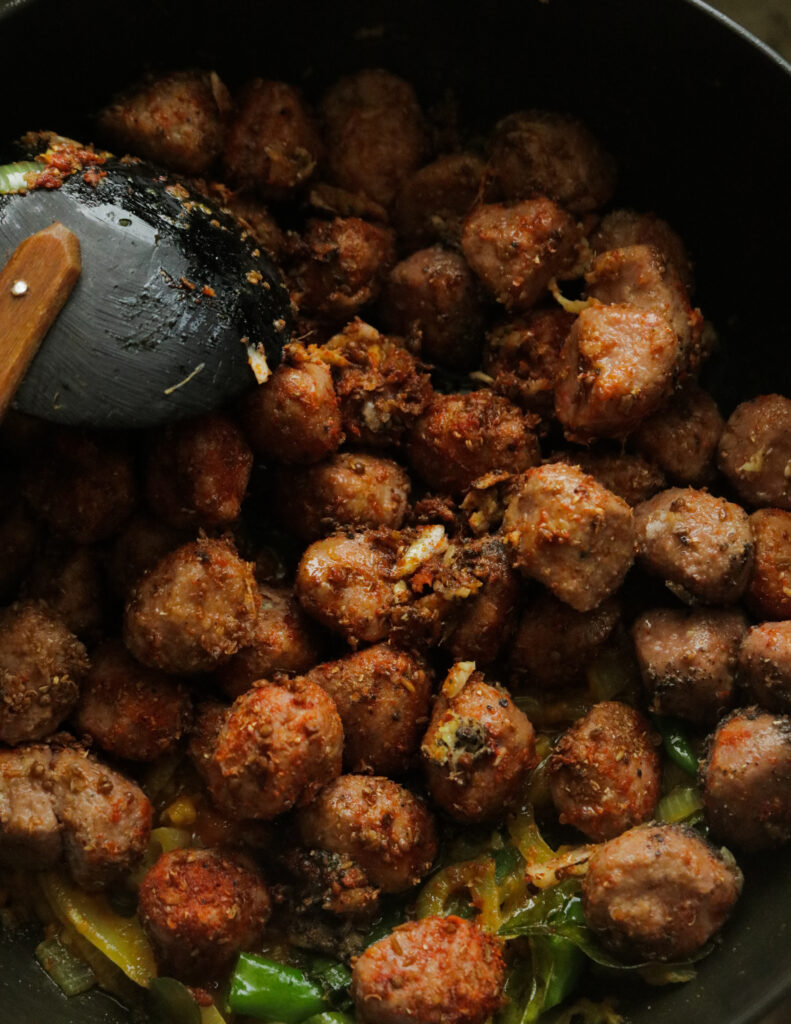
x: 695, y: 110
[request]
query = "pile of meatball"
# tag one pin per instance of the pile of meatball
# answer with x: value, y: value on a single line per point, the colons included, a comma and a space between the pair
x: 341, y: 695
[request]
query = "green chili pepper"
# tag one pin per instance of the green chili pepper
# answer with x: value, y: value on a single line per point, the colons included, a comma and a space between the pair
x: 69, y: 973
x: 332, y: 1017
x: 271, y: 991
x: 14, y: 177
x: 173, y: 1001
x: 676, y: 744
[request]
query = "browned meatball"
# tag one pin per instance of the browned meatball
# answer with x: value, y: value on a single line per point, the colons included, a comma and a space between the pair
x: 605, y: 771
x: 629, y: 476
x: 273, y: 144
x: 30, y: 834
x: 626, y: 227
x: 618, y: 366
x: 554, y: 643
x: 765, y: 664
x: 41, y: 667
x: 540, y: 153
x: 140, y: 545
x: 382, y: 695
x: 71, y: 580
x: 747, y: 778
x: 432, y: 203
x: 254, y: 217
x: 477, y: 751
x: 570, y: 533
x: 274, y: 749
x: 129, y: 710
x: 658, y: 892
x: 386, y: 830
x: 440, y: 970
x: 697, y: 542
x: 199, y: 909
x: 688, y: 660
x: 375, y: 133
x: 349, y: 489
x: 197, y: 472
x: 462, y: 437
x: 193, y: 610
x: 176, y: 119
x: 294, y: 417
x: 769, y: 589
x: 432, y: 297
x: 283, y: 640
x: 755, y: 451
x: 517, y: 249
x: 682, y: 437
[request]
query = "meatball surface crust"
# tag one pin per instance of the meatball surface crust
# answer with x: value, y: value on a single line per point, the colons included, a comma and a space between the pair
x: 438, y: 970
x: 30, y: 834
x: 688, y: 660
x: 755, y: 451
x: 477, y: 751
x: 71, y: 580
x: 697, y: 542
x: 138, y: 547
x: 193, y: 610
x: 605, y: 771
x: 769, y: 588
x: 199, y: 909
x: 629, y: 476
x: 386, y: 830
x: 747, y: 778
x: 682, y: 437
x: 765, y: 664
x: 622, y: 228
x: 658, y: 892
x: 570, y: 533
x: 432, y: 203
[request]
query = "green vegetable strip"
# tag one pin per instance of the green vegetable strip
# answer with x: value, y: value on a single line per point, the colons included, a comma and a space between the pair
x: 69, y: 973
x: 14, y: 177
x: 330, y: 1018
x: 676, y: 744
x: 679, y: 804
x: 274, y: 992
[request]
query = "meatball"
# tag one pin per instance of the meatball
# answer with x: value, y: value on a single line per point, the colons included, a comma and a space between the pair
x: 462, y: 437
x: 477, y: 751
x: 697, y: 542
x: 41, y: 667
x: 18, y: 538
x: 432, y: 297
x: 658, y: 892
x: 765, y: 664
x: 140, y: 545
x: 375, y: 133
x: 199, y: 909
x: 193, y: 610
x: 273, y: 143
x: 254, y: 217
x: 605, y: 772
x: 197, y: 472
x: 386, y: 830
x: 629, y: 476
x: 516, y: 249
x: 439, y: 970
x: 71, y: 580
x: 570, y: 533
x: 30, y: 834
x: 432, y: 203
x: 382, y: 695
x: 682, y: 437
x: 755, y: 451
x: 626, y: 227
x: 349, y: 490
x: 687, y: 659
x: 274, y: 749
x: 294, y: 417
x: 747, y: 778
x: 129, y: 710
x: 177, y: 120
x: 769, y: 588
x: 540, y: 153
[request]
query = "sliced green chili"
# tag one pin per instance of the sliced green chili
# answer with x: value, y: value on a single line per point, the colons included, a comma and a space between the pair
x: 331, y: 1017
x: 173, y: 1001
x: 14, y: 177
x: 71, y: 974
x: 271, y: 991
x: 676, y: 743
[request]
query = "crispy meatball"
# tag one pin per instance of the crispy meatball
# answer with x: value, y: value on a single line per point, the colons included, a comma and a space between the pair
x: 769, y: 588
x: 477, y: 751
x: 462, y: 437
x: 294, y: 417
x: 626, y: 227
x: 658, y: 892
x: 349, y: 490
x: 382, y: 695
x: 629, y: 476
x: 386, y: 830
x: 570, y: 533
x: 71, y: 580
x: 697, y: 542
x: 540, y: 153
x: 199, y: 909
x: 283, y: 640
x: 129, y: 710
x: 374, y: 131
x: 765, y: 664
x: 254, y: 217
x: 605, y: 772
x: 747, y: 778
x: 516, y: 249
x: 138, y: 547
x: 682, y: 437
x: 439, y: 970
x: 432, y: 203
x: 30, y: 834
x: 197, y: 472
x: 193, y: 610
x: 755, y: 451
x: 177, y: 120
x: 432, y: 297
x: 274, y: 749
x: 687, y: 659
x: 41, y: 667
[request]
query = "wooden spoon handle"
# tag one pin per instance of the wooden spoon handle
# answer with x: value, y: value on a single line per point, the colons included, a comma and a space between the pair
x: 34, y: 286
